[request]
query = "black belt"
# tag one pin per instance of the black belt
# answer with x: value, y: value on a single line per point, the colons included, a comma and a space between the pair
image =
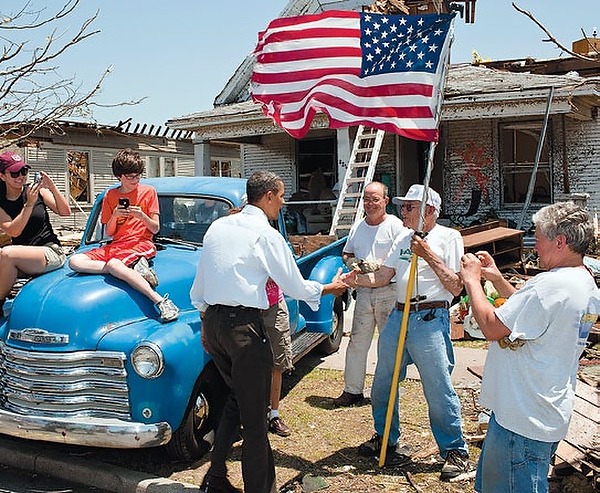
x: 417, y: 307
x: 238, y: 308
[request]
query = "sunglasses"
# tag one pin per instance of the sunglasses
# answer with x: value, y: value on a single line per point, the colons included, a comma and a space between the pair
x: 22, y: 172
x: 410, y: 207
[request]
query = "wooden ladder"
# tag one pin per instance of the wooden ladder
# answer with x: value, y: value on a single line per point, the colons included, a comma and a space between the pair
x: 360, y: 171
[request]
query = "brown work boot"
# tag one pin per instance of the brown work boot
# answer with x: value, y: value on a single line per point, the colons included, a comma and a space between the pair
x: 347, y: 399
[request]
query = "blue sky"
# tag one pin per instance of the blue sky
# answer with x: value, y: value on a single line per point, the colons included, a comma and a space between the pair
x: 179, y: 54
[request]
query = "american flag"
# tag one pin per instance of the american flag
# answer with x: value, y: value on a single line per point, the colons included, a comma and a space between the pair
x: 382, y: 71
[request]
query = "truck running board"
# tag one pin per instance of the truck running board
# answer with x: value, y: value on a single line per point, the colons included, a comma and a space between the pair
x: 306, y: 341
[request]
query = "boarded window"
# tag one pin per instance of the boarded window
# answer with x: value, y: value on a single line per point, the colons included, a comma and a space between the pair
x: 78, y: 163
x: 518, y: 147
x: 160, y: 166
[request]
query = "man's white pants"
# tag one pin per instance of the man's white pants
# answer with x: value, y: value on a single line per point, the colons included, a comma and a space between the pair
x: 371, y: 309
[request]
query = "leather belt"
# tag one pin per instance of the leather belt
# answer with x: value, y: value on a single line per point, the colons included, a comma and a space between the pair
x: 417, y: 307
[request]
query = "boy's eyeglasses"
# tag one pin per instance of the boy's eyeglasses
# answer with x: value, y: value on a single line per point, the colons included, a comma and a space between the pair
x: 133, y: 176
x: 22, y: 172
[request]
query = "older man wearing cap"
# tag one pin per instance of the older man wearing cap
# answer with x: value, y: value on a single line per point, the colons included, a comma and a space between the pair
x: 427, y: 343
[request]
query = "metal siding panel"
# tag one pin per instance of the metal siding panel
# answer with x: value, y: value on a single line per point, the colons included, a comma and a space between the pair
x: 583, y: 158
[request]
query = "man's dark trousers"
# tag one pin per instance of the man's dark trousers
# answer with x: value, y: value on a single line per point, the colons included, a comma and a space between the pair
x: 236, y: 340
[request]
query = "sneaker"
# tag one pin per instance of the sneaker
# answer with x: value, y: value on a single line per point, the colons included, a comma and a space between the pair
x: 277, y: 426
x: 347, y: 399
x: 372, y: 447
x: 168, y: 310
x: 396, y: 457
x: 455, y: 464
x: 143, y: 268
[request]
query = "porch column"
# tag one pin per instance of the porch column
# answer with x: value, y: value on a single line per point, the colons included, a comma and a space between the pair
x: 202, y: 158
x: 344, y: 149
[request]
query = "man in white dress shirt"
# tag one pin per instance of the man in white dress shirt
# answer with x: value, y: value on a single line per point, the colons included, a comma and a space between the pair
x: 240, y: 253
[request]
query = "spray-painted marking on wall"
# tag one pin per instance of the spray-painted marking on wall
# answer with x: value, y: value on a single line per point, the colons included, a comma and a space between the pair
x: 474, y: 156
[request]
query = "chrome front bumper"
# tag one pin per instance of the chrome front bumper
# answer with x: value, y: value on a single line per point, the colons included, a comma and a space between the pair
x: 93, y: 432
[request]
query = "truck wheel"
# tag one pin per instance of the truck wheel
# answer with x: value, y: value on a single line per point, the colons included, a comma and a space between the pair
x: 332, y: 343
x: 195, y: 436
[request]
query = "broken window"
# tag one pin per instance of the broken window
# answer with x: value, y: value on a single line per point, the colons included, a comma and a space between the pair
x: 79, y: 175
x: 316, y: 166
x: 225, y: 167
x: 518, y: 147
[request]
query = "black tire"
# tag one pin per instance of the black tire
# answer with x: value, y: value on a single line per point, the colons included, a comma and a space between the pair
x: 332, y: 343
x: 196, y: 434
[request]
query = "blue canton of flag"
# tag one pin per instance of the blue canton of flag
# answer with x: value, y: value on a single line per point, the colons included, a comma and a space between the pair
x: 397, y: 43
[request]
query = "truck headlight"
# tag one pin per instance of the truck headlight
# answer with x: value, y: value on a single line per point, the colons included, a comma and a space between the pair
x: 147, y: 360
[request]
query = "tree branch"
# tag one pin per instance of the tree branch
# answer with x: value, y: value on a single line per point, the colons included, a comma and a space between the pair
x: 551, y: 37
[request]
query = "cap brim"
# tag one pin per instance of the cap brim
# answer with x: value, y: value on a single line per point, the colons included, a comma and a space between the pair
x: 14, y: 167
x: 398, y: 200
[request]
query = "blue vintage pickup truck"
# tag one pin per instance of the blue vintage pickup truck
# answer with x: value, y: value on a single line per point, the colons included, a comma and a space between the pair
x: 85, y: 360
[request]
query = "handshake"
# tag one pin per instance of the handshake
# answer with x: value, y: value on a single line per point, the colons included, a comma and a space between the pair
x: 363, y: 266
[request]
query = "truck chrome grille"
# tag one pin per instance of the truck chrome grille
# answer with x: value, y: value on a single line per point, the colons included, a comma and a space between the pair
x: 77, y: 384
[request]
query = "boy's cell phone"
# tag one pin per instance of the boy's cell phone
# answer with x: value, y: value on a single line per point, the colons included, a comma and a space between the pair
x: 124, y: 202
x: 37, y: 178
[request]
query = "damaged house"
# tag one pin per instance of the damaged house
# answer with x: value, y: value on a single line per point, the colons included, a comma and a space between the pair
x: 491, y: 123
x: 78, y: 157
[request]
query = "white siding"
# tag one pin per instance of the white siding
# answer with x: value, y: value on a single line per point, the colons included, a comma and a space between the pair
x: 276, y: 155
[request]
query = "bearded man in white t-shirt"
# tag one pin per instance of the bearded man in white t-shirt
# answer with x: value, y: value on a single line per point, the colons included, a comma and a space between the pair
x: 367, y: 246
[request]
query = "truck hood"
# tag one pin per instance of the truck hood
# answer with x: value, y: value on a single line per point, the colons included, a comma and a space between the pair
x: 65, y: 311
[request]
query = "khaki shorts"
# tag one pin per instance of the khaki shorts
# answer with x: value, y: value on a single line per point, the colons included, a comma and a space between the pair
x: 277, y: 323
x: 55, y: 257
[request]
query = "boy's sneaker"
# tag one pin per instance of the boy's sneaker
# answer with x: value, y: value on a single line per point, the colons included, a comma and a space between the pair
x: 143, y: 268
x: 456, y: 463
x: 168, y: 310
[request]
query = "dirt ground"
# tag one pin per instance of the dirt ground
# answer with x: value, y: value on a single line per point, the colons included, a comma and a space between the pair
x: 321, y: 453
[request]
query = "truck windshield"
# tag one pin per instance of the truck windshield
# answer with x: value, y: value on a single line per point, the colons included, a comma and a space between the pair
x: 181, y: 218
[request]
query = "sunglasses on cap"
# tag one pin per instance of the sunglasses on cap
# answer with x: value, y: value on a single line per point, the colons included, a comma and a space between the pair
x: 22, y: 172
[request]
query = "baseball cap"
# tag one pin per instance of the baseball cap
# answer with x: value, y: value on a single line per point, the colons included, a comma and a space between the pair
x: 415, y: 192
x: 11, y: 161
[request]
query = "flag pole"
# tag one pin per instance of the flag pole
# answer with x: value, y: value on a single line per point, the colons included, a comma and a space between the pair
x: 412, y: 273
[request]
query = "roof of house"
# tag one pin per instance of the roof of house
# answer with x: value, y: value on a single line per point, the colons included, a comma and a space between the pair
x: 470, y: 92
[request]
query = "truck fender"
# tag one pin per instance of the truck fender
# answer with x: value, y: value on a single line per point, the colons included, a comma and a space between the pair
x: 323, y: 272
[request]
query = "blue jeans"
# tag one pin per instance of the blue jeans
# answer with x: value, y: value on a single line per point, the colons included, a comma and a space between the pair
x: 511, y: 463
x: 429, y: 347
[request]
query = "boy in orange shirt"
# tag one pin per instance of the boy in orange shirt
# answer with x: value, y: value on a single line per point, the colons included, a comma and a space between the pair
x: 131, y: 215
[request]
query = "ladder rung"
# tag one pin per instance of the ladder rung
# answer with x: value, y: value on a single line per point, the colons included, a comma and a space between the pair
x: 345, y: 210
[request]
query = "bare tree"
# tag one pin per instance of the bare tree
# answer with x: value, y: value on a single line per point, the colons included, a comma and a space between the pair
x: 552, y: 39
x: 32, y: 89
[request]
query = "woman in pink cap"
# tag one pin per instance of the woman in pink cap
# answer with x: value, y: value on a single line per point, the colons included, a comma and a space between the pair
x: 35, y: 248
